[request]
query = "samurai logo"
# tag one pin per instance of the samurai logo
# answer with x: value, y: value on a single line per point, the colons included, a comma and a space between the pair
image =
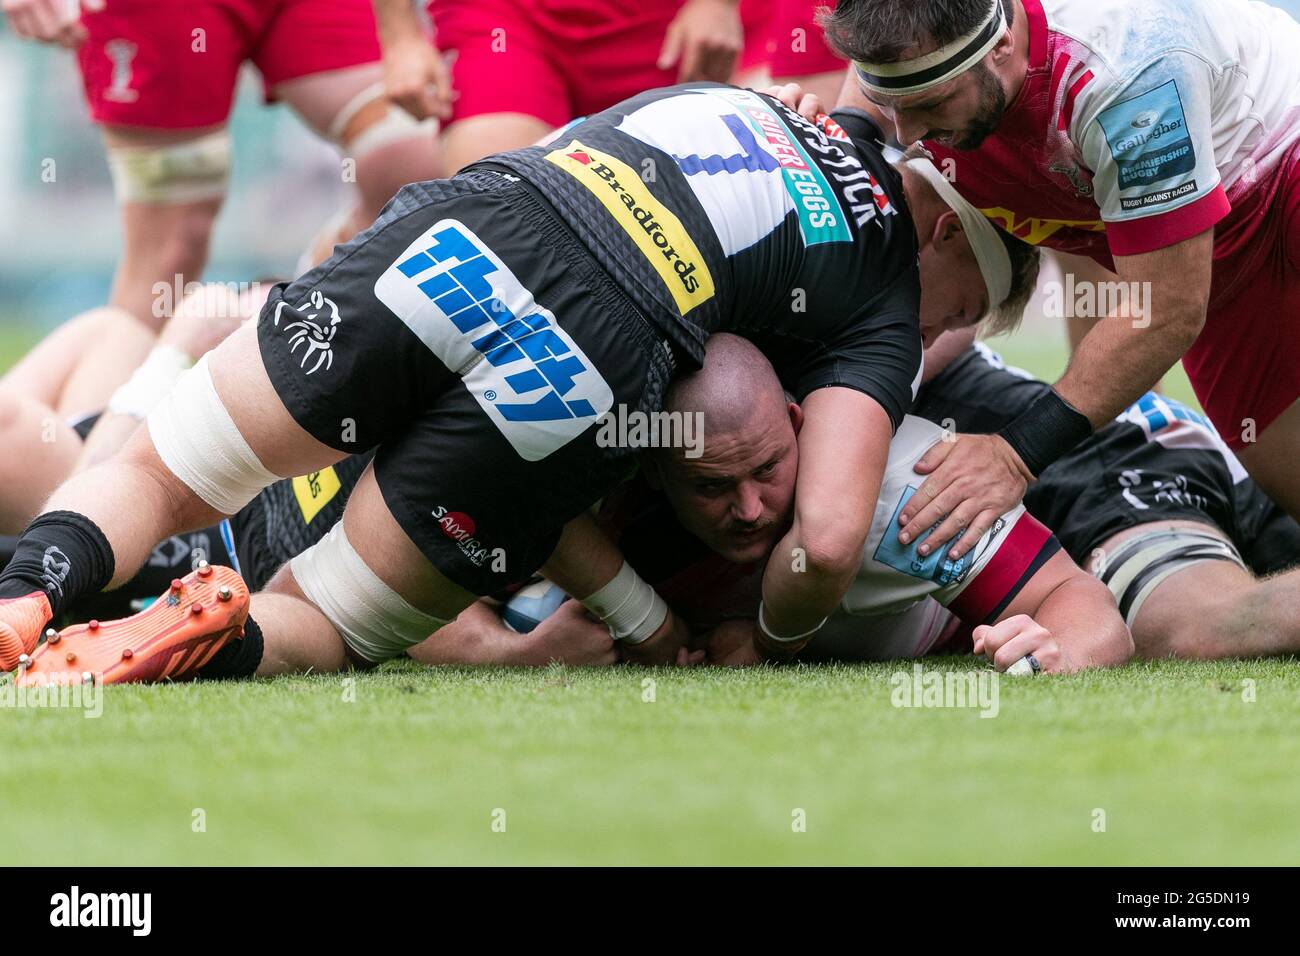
x: 315, y: 330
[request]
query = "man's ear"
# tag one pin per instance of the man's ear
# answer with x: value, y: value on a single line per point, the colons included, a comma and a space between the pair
x: 947, y: 229
x: 1003, y: 49
x: 796, y: 416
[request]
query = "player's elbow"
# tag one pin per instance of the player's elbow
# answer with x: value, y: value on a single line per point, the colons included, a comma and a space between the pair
x: 1112, y: 642
x: 828, y: 549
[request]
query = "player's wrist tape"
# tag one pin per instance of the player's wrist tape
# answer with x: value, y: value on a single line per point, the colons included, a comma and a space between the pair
x: 147, y: 386
x: 767, y: 632
x: 1045, y: 431
x: 629, y: 606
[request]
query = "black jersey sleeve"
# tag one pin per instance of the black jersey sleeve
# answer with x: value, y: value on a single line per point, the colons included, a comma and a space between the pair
x: 878, y: 353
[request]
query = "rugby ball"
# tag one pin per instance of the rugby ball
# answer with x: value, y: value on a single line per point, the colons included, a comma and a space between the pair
x: 531, y: 605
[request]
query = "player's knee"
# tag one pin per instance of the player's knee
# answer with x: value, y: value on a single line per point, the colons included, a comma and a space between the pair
x: 388, y: 146
x: 12, y: 407
x: 375, y: 623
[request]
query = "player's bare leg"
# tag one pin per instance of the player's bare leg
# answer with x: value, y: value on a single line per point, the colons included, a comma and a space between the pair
x: 1271, y: 460
x: 72, y: 371
x: 102, y: 524
x: 40, y: 452
x: 1214, y: 609
x: 167, y: 216
x: 299, y: 636
x: 383, y: 147
x: 469, y: 140
x: 76, y: 367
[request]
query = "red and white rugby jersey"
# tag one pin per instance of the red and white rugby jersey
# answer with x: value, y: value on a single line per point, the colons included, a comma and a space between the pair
x: 1140, y: 124
x: 978, y: 586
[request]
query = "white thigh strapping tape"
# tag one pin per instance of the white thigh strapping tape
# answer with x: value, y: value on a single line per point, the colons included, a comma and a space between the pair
x: 373, y: 619
x: 183, y: 172
x: 149, y: 384
x: 200, y: 444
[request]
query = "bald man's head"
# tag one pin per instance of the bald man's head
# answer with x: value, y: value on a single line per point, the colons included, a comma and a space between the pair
x: 737, y: 494
x: 736, y: 384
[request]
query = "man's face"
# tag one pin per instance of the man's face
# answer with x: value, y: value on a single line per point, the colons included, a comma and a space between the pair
x: 960, y: 113
x: 953, y: 293
x: 738, y: 496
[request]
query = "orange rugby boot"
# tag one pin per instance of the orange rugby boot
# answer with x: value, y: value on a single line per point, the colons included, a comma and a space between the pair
x: 21, y: 620
x: 169, y: 640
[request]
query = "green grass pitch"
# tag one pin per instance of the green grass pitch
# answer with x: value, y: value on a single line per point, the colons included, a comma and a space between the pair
x: 1169, y: 763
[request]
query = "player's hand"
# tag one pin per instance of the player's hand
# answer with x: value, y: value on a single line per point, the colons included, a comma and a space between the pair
x: 731, y: 644
x: 807, y: 105
x: 973, y: 480
x: 704, y: 40
x: 1008, y: 641
x: 570, y: 635
x: 661, y: 647
x: 416, y: 78
x: 50, y: 21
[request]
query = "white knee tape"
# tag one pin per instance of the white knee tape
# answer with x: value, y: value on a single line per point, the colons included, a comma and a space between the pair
x: 373, y: 619
x: 182, y: 172
x: 150, y: 383
x: 200, y: 444
x: 630, y: 607
x: 396, y: 125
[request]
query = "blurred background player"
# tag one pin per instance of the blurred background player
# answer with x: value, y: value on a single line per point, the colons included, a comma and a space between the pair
x: 789, y: 43
x: 520, y: 70
x: 159, y: 79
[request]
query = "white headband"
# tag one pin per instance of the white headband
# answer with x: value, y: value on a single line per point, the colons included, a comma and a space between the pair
x: 924, y: 72
x: 990, y: 253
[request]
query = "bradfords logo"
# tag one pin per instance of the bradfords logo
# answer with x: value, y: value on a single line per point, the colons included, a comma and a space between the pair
x: 468, y: 308
x: 460, y: 528
x: 659, y: 234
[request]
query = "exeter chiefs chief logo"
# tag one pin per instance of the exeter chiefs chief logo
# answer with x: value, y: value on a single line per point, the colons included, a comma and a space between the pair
x: 314, y: 331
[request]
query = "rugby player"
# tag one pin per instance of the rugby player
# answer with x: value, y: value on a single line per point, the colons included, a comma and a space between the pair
x: 521, y: 70
x: 705, y: 538
x: 160, y: 78
x: 794, y: 49
x: 1201, y: 563
x: 1161, y: 141
x: 478, y: 332
x: 1154, y: 503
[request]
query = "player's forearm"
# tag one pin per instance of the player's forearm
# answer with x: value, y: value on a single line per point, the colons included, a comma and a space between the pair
x: 843, y: 446
x: 397, y: 21
x: 477, y: 636
x: 584, y: 560
x: 1159, y: 307
x: 1080, y: 613
x: 1117, y: 362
